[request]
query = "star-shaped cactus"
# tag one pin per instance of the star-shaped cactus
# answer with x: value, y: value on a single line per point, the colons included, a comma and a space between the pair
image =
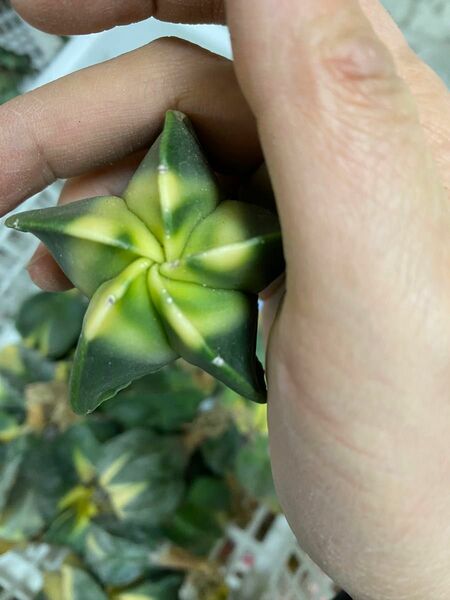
x: 171, y: 269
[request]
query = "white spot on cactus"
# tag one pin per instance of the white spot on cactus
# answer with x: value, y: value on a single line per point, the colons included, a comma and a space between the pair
x: 111, y: 299
x: 162, y: 169
x: 169, y: 300
x: 15, y: 223
x: 218, y: 361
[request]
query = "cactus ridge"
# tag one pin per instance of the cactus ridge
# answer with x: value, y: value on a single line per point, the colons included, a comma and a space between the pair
x: 171, y: 269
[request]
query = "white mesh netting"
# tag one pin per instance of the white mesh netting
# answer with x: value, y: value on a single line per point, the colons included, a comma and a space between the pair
x: 17, y: 36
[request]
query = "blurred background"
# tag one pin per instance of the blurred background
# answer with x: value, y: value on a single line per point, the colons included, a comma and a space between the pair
x: 166, y: 491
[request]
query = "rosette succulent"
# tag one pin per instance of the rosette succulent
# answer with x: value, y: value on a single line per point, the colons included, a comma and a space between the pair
x: 172, y: 269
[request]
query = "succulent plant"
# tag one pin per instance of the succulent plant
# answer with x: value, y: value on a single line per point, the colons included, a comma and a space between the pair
x: 51, y: 322
x: 71, y: 583
x: 13, y: 68
x: 135, y: 496
x: 171, y: 269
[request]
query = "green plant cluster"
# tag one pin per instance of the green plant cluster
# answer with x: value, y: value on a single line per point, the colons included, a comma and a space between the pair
x: 140, y: 491
x: 13, y: 68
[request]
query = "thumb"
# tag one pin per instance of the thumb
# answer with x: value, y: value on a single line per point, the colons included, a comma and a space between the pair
x: 339, y: 128
x: 360, y: 348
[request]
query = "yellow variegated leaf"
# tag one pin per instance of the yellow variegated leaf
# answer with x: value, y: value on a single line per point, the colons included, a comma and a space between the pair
x: 140, y: 473
x: 78, y: 507
x: 71, y: 583
x: 164, y: 589
x: 123, y: 494
x: 114, y: 469
x: 84, y: 467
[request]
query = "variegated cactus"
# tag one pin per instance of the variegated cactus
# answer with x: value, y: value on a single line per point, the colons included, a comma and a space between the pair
x: 171, y: 269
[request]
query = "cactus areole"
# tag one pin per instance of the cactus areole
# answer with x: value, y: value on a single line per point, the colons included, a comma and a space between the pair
x: 171, y: 269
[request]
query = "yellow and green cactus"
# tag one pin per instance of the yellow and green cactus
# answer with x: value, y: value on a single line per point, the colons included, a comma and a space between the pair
x: 171, y: 269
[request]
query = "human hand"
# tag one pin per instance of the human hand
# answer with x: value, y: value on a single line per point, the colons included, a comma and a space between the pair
x: 359, y: 355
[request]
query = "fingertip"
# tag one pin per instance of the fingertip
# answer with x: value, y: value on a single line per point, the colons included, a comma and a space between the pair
x: 272, y: 298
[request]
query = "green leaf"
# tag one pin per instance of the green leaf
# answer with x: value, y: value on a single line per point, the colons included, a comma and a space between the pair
x: 72, y: 583
x: 253, y: 471
x: 72, y: 458
x: 164, y: 401
x: 15, y: 63
x: 142, y: 474
x: 93, y: 240
x: 209, y: 493
x: 165, y: 589
x: 10, y: 428
x: 81, y: 448
x: 11, y: 457
x: 115, y: 560
x: 62, y: 455
x: 238, y: 247
x: 67, y: 530
x: 193, y: 529
x: 51, y: 322
x: 122, y: 340
x: 20, y: 519
x: 12, y: 398
x: 174, y: 188
x: 220, y: 452
x: 213, y: 329
x: 19, y: 366
x: 47, y: 485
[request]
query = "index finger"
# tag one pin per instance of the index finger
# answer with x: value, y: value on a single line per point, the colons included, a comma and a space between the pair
x: 99, y: 115
x: 87, y: 16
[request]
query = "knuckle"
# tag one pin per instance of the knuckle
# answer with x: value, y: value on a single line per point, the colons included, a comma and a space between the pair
x: 165, y: 44
x: 182, y: 54
x: 174, y: 47
x: 357, y: 71
x: 337, y: 65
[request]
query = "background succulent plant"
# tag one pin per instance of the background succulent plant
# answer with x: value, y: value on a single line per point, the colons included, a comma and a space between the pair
x: 51, y: 322
x: 13, y: 68
x: 171, y: 269
x: 135, y: 495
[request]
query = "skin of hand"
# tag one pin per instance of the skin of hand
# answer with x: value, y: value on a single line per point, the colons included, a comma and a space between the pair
x: 356, y: 134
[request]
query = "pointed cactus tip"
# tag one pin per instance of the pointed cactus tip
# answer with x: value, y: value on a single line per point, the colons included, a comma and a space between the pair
x: 13, y: 222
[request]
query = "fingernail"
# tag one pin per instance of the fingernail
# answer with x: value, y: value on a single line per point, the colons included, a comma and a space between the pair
x: 273, y: 288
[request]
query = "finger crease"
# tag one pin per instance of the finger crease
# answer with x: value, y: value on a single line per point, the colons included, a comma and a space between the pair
x: 48, y: 172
